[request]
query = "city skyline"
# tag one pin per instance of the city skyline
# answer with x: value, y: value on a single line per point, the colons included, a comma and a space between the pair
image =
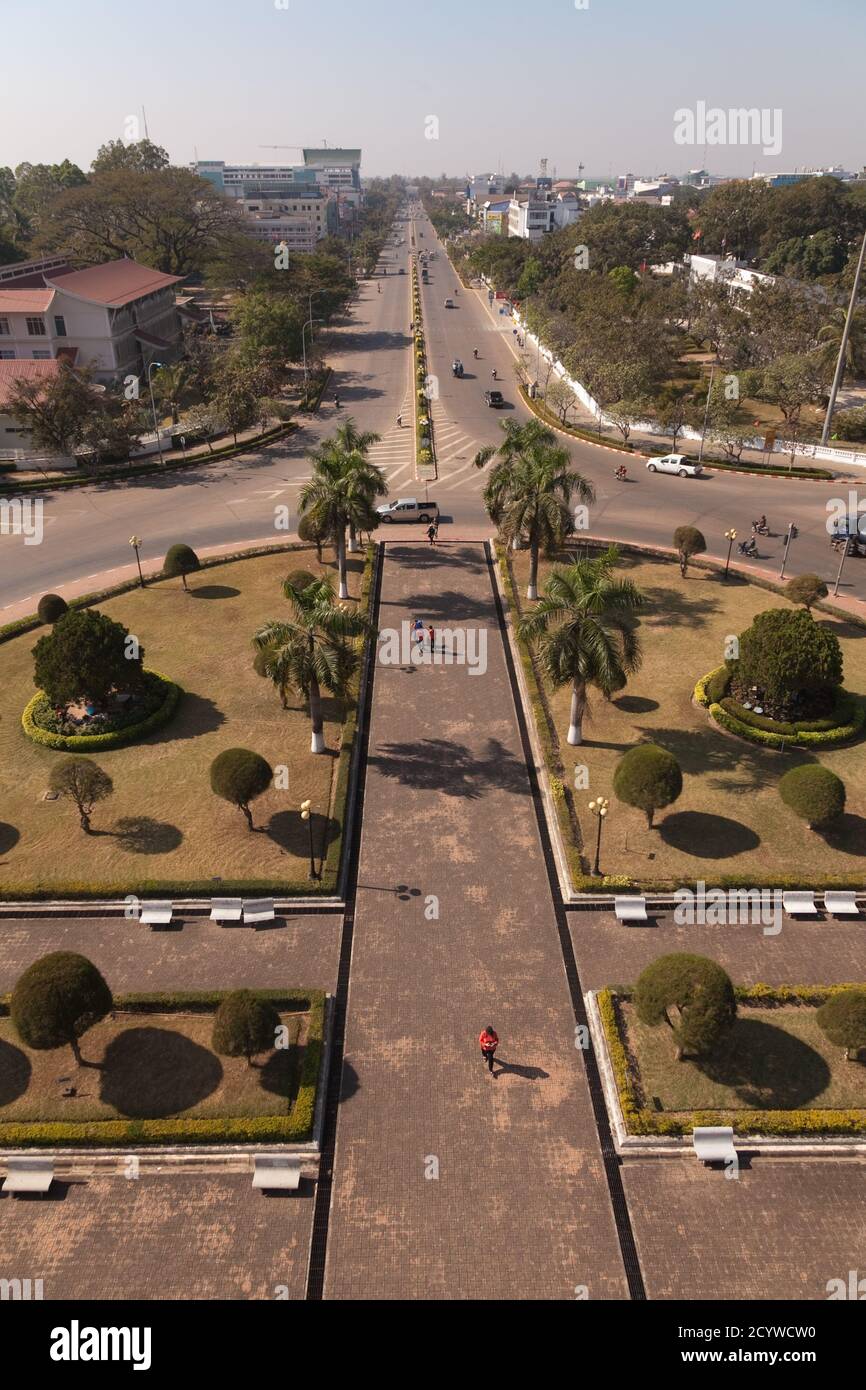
x: 565, y: 84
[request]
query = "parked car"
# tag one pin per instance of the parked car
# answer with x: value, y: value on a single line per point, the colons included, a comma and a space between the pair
x: 675, y: 463
x: 449, y: 303
x: 408, y: 509
x: 494, y: 398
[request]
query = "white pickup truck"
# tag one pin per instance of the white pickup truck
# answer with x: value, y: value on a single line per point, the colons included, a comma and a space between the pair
x: 409, y: 509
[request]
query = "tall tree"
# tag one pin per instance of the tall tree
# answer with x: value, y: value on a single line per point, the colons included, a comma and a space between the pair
x: 141, y: 156
x: 341, y: 492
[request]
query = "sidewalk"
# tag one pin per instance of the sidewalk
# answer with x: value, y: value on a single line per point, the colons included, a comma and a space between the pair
x: 450, y: 1183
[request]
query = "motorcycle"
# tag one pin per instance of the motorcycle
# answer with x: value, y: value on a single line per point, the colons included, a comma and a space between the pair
x: 493, y: 375
x: 474, y: 352
x: 760, y: 528
x: 621, y: 473
x: 747, y: 547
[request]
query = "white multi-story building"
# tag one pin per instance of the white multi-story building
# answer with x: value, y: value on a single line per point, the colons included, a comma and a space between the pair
x: 530, y: 218
x: 300, y: 222
x: 116, y: 317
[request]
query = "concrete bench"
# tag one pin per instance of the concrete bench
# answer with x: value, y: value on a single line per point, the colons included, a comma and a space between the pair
x: 630, y: 909
x: 29, y: 1175
x: 226, y: 909
x: 800, y: 904
x: 277, y: 1171
x: 714, y: 1144
x: 841, y: 904
x: 156, y: 914
x: 259, y: 910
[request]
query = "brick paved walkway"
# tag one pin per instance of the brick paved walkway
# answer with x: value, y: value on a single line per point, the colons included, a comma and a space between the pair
x: 297, y: 951
x: 520, y: 1208
x: 183, y: 1236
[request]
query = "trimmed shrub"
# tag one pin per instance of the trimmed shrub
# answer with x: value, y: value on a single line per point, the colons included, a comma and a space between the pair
x: 813, y: 793
x: 51, y: 607
x: 84, y: 783
x: 689, y: 541
x: 648, y: 778
x: 86, y: 655
x: 39, y: 715
x: 239, y: 776
x: 299, y: 580
x: 698, y: 989
x: 787, y: 656
x: 244, y: 1025
x: 180, y: 560
x: 805, y: 589
x: 842, y: 1020
x: 57, y: 999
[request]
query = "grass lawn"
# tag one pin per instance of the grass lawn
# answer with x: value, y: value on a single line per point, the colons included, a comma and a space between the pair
x: 729, y: 818
x: 147, y: 1066
x: 772, y: 1059
x: 163, y: 823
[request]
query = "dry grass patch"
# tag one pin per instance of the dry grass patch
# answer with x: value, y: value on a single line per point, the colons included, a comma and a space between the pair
x: 729, y: 819
x: 163, y: 824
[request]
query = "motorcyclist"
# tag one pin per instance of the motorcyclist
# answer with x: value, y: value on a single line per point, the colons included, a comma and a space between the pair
x: 621, y: 472
x: 493, y: 374
x: 474, y: 352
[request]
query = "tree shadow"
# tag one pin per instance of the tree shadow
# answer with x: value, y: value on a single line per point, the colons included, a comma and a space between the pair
x: 847, y: 835
x: 434, y: 764
x: 15, y: 1072
x: 449, y: 607
x: 675, y: 608
x: 350, y: 1082
x: 707, y: 836
x: 196, y: 715
x: 9, y: 836
x: 287, y: 830
x: 155, y: 1072
x: 415, y: 557
x: 635, y: 704
x: 279, y: 1074
x: 844, y: 630
x: 213, y: 591
x: 767, y: 1067
x: 144, y: 835
x: 726, y: 763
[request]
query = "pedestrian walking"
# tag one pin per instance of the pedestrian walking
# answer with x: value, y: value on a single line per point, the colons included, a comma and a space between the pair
x: 432, y: 636
x: 435, y: 528
x: 336, y: 401
x: 488, y: 1042
x: 399, y: 422
x: 418, y: 631
x: 431, y: 533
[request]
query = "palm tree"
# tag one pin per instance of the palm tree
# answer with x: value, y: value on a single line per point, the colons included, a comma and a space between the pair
x: 341, y: 492
x: 830, y: 340
x: 585, y: 632
x: 530, y: 489
x: 172, y: 382
x: 314, y: 651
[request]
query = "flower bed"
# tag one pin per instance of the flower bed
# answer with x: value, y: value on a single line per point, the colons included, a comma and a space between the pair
x: 155, y: 708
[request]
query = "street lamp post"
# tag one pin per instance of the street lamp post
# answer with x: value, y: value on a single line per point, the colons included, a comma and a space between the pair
x: 730, y: 537
x: 307, y: 325
x: 843, y: 346
x: 306, y: 815
x: 788, y: 539
x: 599, y: 809
x: 135, y: 542
x: 707, y: 411
x: 150, y: 367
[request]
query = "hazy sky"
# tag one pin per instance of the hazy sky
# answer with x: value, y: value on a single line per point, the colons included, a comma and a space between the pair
x: 509, y: 81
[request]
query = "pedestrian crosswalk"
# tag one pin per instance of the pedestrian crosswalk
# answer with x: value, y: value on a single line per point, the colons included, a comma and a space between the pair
x: 455, y: 452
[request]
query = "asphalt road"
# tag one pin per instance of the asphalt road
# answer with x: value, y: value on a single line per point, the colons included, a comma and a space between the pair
x: 87, y: 530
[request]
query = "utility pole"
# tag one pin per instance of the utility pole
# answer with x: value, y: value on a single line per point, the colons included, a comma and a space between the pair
x: 707, y: 411
x: 840, y: 365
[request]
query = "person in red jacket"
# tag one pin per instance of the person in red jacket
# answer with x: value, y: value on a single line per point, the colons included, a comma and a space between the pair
x: 488, y: 1042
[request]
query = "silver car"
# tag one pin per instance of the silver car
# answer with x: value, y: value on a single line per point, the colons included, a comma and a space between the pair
x: 675, y: 463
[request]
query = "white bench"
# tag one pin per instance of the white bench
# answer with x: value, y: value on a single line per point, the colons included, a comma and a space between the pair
x: 841, y: 904
x: 226, y: 909
x: 274, y: 1171
x: 29, y: 1175
x: 156, y: 914
x: 630, y: 909
x: 259, y: 910
x: 714, y: 1144
x: 800, y: 904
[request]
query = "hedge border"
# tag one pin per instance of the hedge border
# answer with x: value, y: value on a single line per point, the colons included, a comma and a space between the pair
x: 294, y: 1128
x: 120, y: 738
x: 766, y: 738
x: 639, y: 1120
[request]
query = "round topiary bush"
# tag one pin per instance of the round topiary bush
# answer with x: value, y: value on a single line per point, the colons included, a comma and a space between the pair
x: 238, y: 775
x: 57, y: 999
x: 805, y: 589
x: 180, y: 560
x: 813, y: 793
x: 689, y: 541
x: 842, y: 1020
x: 692, y: 995
x: 648, y: 778
x: 298, y: 580
x: 244, y: 1025
x: 51, y: 607
x: 87, y: 655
